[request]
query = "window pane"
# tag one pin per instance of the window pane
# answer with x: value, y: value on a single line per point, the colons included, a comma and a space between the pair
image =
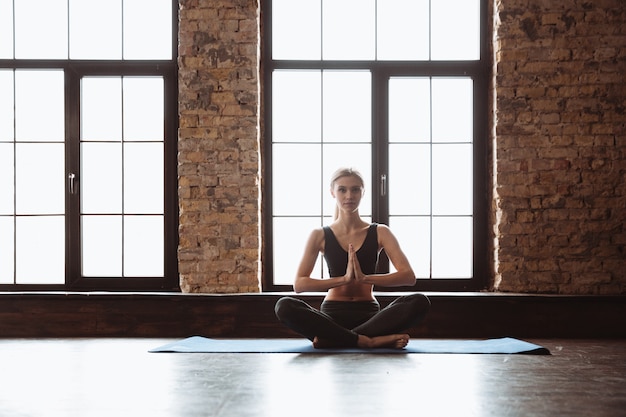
x: 409, y: 179
x: 347, y: 111
x: 143, y: 108
x: 143, y: 178
x: 41, y: 29
x: 6, y: 29
x: 40, y: 238
x: 95, y: 29
x: 7, y: 165
x: 452, y: 109
x: 147, y: 35
x: 7, y: 253
x: 6, y: 106
x: 101, y: 178
x: 337, y: 156
x: 413, y: 234
x: 348, y: 29
x: 452, y: 247
x: 142, y: 239
x: 102, y: 246
x: 39, y: 106
x: 101, y: 108
x: 143, y: 246
x: 296, y: 106
x: 296, y: 29
x: 407, y: 20
x: 296, y: 179
x: 455, y: 29
x: 409, y: 109
x: 40, y: 178
x: 452, y: 179
x: 290, y: 235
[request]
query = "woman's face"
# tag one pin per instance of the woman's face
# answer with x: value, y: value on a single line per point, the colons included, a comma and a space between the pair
x: 348, y: 192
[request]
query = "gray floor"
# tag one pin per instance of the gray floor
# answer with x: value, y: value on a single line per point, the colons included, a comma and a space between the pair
x: 118, y: 377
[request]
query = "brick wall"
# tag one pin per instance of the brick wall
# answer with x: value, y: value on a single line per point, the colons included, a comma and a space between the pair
x: 558, y: 146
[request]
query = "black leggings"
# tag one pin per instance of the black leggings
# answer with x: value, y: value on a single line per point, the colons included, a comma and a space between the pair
x: 339, y: 323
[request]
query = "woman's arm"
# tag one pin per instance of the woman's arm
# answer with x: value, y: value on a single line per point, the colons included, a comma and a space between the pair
x: 304, y: 281
x: 404, y: 275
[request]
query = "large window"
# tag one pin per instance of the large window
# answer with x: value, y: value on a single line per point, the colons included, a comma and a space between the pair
x: 396, y: 89
x: 88, y: 144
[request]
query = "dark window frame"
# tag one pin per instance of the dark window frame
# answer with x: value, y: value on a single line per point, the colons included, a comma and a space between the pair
x: 479, y: 71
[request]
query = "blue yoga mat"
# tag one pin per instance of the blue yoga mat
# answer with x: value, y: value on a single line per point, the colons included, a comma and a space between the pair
x: 198, y: 344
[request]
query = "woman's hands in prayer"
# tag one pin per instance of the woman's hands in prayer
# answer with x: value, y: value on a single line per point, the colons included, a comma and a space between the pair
x: 353, y: 270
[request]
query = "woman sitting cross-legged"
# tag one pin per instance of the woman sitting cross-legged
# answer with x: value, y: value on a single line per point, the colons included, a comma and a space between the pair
x: 350, y: 315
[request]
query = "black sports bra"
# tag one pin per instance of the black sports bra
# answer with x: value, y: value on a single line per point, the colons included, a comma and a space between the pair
x: 337, y: 258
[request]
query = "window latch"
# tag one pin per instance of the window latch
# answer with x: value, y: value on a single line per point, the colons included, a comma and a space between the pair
x: 383, y: 185
x: 71, y: 178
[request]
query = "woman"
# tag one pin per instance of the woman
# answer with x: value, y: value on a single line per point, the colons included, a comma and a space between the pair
x: 350, y: 315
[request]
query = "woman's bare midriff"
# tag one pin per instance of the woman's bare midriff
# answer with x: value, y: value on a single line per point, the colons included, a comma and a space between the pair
x: 351, y: 292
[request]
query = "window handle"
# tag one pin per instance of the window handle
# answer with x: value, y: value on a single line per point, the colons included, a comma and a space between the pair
x: 383, y: 185
x: 72, y: 178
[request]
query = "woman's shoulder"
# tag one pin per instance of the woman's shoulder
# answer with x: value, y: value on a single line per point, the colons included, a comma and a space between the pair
x: 384, y: 232
x: 316, y: 239
x: 317, y: 233
x: 381, y: 227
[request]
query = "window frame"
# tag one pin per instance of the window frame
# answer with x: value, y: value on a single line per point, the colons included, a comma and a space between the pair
x: 74, y: 70
x: 478, y: 70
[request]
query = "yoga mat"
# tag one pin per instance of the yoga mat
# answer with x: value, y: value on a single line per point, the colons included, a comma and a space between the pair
x: 198, y: 344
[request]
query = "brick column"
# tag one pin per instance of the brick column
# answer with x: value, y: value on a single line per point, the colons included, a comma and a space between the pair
x: 219, y: 166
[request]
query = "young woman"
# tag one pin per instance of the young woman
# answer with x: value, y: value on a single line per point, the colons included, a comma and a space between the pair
x: 350, y: 315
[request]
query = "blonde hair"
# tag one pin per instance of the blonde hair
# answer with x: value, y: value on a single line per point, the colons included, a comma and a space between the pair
x: 345, y: 172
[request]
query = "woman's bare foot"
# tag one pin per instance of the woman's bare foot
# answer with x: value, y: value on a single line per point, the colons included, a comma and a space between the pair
x: 395, y: 341
x: 319, y: 344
